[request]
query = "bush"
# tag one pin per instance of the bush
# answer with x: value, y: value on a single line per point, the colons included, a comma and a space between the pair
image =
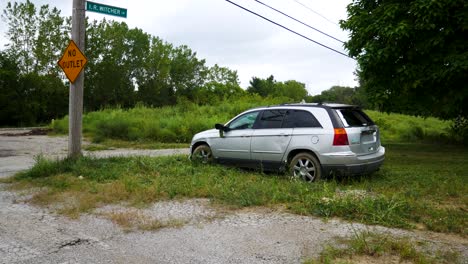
x: 180, y: 122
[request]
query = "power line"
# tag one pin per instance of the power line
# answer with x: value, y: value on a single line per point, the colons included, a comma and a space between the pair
x: 317, y: 13
x: 298, y: 21
x: 271, y: 21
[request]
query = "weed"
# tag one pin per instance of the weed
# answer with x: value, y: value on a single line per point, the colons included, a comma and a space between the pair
x: 380, y: 248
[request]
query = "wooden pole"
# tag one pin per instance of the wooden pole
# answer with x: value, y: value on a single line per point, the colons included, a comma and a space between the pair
x: 75, y: 108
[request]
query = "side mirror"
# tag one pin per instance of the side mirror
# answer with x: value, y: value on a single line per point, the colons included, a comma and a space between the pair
x: 221, y: 129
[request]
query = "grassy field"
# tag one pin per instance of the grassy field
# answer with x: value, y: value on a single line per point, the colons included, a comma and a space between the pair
x: 420, y: 186
x: 177, y: 124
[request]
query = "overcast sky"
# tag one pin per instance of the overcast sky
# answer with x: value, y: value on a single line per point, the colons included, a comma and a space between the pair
x: 226, y: 35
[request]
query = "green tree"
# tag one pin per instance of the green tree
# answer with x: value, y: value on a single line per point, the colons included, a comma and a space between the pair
x: 154, y: 88
x: 52, y: 33
x: 9, y: 94
x: 45, y: 97
x: 291, y: 89
x: 412, y: 54
x: 341, y: 94
x: 187, y: 72
x: 220, y: 83
x: 36, y: 38
x: 262, y: 87
x: 22, y: 30
x: 30, y: 98
x: 116, y: 55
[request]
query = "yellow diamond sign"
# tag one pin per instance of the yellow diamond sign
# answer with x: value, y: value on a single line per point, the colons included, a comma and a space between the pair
x: 72, y: 61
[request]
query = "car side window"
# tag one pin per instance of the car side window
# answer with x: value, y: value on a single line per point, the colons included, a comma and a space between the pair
x: 271, y: 119
x: 244, y: 121
x: 299, y: 118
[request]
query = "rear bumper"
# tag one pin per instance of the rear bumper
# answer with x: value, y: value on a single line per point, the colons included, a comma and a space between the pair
x: 351, y: 164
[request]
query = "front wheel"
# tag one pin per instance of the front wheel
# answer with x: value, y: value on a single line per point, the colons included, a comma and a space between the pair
x: 305, y: 166
x: 202, y: 154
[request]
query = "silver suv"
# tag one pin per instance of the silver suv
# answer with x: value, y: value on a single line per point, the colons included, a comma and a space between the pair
x: 310, y: 140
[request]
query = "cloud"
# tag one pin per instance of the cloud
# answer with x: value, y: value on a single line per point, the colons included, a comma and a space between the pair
x: 226, y: 35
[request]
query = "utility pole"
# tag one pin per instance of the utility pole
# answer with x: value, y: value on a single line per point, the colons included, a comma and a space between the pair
x: 75, y: 106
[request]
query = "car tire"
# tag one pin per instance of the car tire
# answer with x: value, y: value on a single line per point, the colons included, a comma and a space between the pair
x: 306, y: 167
x: 202, y: 154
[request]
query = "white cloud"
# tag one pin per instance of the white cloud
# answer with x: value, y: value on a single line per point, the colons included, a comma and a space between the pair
x: 229, y: 36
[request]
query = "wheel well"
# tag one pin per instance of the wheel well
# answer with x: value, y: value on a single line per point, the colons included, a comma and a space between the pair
x: 198, y: 144
x: 297, y: 151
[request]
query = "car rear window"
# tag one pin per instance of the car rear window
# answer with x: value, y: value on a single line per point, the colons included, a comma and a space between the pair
x: 354, y: 117
x: 298, y: 118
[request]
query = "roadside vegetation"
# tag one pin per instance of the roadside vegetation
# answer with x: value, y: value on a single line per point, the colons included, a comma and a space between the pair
x: 420, y: 186
x: 143, y: 126
x: 109, y: 144
x: 369, y: 247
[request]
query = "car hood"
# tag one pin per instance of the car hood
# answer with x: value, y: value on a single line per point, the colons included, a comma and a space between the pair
x: 206, y: 134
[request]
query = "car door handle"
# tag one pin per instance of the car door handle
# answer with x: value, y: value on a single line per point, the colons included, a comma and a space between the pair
x: 245, y: 136
x: 284, y: 135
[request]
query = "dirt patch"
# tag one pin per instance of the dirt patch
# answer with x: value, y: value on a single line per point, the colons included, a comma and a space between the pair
x: 7, y: 153
x: 32, y: 132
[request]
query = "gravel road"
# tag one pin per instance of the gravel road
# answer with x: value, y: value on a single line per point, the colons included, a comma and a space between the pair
x: 30, y: 234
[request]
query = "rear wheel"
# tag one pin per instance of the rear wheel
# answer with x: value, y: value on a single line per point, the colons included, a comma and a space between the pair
x: 306, y: 167
x: 202, y: 154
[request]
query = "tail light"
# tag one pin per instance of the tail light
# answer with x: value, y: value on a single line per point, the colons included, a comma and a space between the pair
x: 340, y: 138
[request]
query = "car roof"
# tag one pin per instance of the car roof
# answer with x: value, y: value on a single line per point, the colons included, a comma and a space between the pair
x: 318, y: 105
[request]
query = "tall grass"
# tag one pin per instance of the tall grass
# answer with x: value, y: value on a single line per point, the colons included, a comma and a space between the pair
x: 177, y: 124
x: 404, y: 128
x: 166, y: 124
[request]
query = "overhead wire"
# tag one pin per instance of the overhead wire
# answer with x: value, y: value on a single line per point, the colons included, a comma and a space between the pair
x: 309, y: 26
x: 317, y: 13
x: 290, y: 30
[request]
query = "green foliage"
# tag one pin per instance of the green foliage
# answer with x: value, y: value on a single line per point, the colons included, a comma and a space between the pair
x: 180, y: 122
x: 420, y: 184
x: 29, y: 98
x: 262, y: 87
x: 404, y: 128
x: 36, y: 37
x: 341, y: 94
x: 125, y: 66
x: 269, y: 87
x: 412, y: 55
x: 291, y: 89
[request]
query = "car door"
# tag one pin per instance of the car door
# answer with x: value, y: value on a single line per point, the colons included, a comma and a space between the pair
x: 235, y: 143
x: 269, y: 139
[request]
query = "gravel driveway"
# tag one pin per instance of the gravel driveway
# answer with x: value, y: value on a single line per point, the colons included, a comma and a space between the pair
x: 30, y: 234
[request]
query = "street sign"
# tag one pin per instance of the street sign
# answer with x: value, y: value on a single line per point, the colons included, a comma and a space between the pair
x: 106, y: 9
x: 72, y: 61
